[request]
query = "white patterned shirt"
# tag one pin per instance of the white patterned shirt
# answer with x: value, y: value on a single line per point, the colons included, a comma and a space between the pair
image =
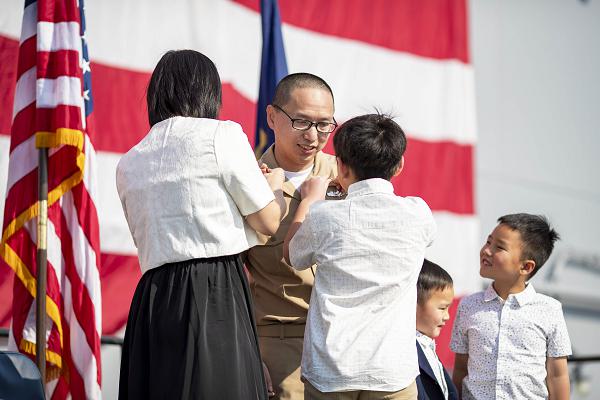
x: 428, y: 346
x: 508, y: 343
x: 369, y: 248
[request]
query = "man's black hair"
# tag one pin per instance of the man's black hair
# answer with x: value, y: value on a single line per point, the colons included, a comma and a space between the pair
x: 284, y: 88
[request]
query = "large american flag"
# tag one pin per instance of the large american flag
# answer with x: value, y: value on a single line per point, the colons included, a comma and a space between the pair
x: 52, y: 102
x: 408, y: 57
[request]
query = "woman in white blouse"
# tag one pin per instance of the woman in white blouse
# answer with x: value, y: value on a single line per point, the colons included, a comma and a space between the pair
x: 193, y: 197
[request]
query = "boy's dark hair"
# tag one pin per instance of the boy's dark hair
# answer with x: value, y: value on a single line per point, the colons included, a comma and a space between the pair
x: 184, y: 83
x: 371, y: 145
x: 431, y: 278
x: 298, y: 80
x: 536, y: 234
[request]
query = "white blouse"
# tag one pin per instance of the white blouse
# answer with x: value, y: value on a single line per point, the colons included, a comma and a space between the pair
x: 185, y: 189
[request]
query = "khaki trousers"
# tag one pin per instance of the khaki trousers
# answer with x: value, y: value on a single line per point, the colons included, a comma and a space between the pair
x: 408, y: 393
x: 283, y: 357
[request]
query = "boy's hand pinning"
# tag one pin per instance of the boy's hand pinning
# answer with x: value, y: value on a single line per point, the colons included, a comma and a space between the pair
x: 314, y: 188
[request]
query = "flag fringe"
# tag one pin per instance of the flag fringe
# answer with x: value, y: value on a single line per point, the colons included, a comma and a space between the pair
x: 71, y: 137
x: 51, y: 357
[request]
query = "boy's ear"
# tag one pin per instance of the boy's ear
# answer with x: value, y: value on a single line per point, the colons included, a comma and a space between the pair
x: 400, y: 167
x: 343, y: 169
x: 528, y: 267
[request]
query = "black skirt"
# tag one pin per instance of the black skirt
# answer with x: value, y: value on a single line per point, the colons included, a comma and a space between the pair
x: 191, y: 334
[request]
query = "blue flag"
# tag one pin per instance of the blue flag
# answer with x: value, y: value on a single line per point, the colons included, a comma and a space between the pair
x: 273, y: 68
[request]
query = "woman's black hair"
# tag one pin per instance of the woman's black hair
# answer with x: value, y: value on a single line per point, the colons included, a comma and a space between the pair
x: 184, y: 83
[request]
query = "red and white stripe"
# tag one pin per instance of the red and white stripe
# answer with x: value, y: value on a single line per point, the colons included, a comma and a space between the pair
x: 48, y: 95
x: 408, y: 57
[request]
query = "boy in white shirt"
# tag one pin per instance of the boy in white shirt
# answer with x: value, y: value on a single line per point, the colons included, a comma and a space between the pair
x: 368, y: 248
x: 510, y: 341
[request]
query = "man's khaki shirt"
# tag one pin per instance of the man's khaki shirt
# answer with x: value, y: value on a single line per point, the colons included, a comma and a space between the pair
x: 281, y: 294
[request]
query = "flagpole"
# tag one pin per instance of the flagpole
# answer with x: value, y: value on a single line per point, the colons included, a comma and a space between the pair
x: 42, y: 227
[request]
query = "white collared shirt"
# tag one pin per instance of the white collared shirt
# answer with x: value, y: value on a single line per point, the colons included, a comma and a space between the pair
x: 428, y: 346
x: 185, y: 189
x: 369, y: 248
x: 508, y: 343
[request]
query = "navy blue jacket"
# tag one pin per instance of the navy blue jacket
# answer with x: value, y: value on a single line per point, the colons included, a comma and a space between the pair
x: 427, y: 385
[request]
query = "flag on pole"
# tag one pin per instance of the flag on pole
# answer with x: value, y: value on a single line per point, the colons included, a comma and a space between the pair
x: 273, y: 68
x: 52, y: 103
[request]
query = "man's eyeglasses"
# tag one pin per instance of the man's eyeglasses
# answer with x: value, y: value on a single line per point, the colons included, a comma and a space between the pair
x: 323, y: 128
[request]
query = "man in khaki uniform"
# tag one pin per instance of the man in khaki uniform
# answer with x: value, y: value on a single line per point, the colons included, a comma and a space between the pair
x: 301, y: 117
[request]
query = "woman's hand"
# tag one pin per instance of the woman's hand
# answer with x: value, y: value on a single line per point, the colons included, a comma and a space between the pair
x: 264, y: 168
x: 275, y: 178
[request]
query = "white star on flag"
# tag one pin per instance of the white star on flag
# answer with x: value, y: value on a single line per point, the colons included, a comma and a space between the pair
x: 85, y: 66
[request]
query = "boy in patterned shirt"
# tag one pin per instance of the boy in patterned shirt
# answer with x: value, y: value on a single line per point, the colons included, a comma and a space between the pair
x: 510, y: 341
